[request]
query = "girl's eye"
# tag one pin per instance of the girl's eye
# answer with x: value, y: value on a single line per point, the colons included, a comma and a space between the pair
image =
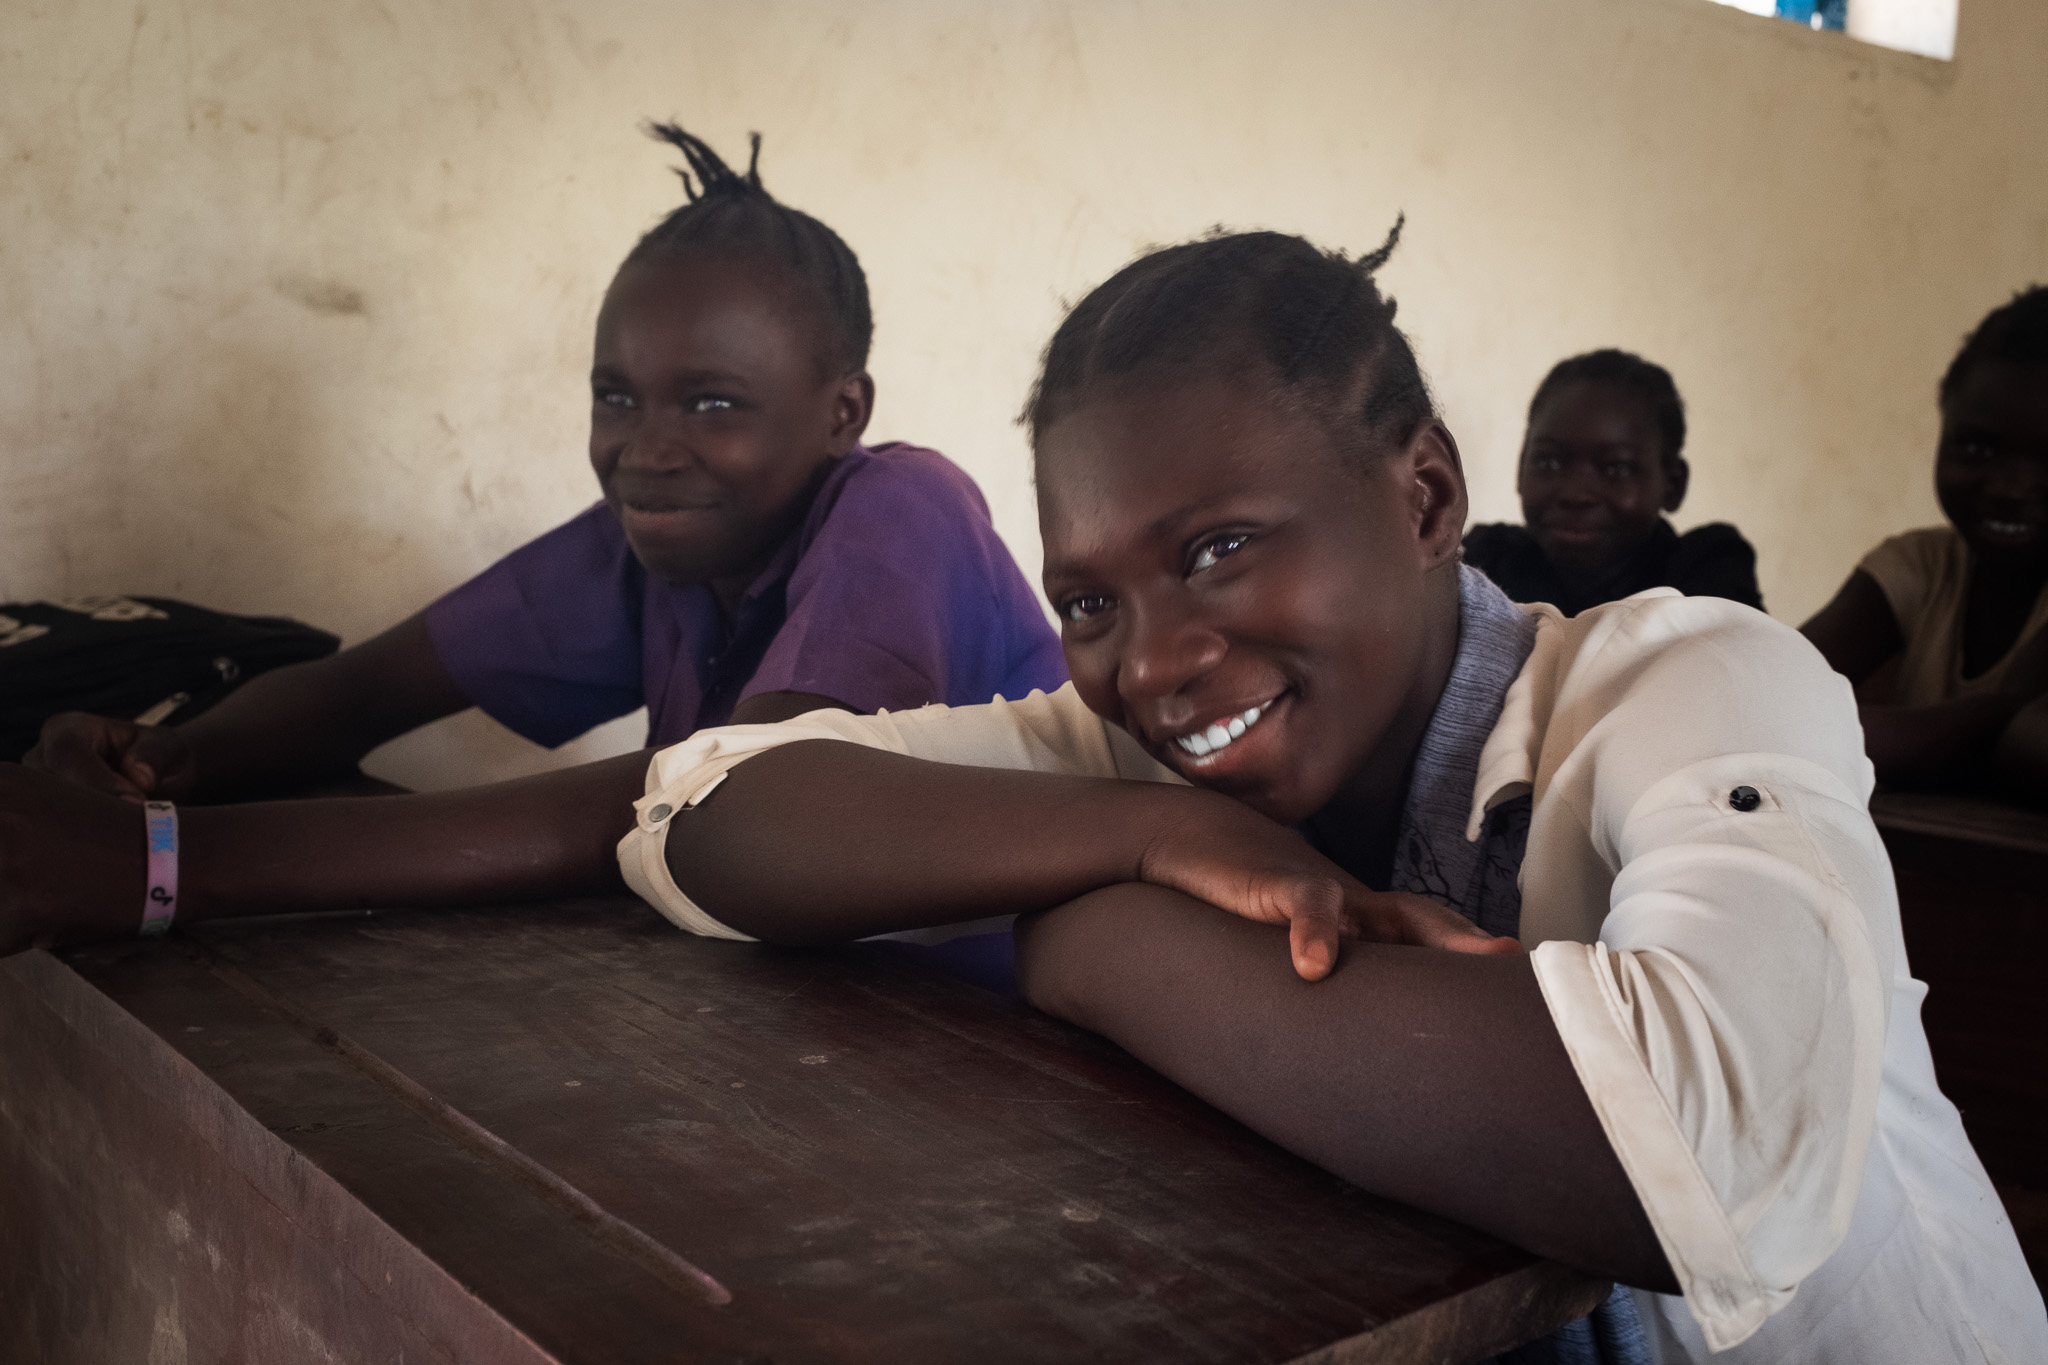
x: 1079, y: 609
x: 1976, y: 450
x: 613, y: 398
x: 1618, y: 469
x: 1215, y: 551
x: 708, y: 403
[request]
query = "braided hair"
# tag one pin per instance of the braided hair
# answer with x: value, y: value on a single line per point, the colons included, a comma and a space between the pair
x: 2015, y: 332
x: 1312, y: 323
x: 1622, y: 370
x: 727, y: 211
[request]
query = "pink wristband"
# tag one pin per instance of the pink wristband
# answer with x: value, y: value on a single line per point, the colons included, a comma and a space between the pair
x: 160, y: 903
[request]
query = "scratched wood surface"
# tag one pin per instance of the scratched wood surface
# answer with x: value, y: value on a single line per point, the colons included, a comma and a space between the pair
x: 633, y: 1145
x: 1973, y: 902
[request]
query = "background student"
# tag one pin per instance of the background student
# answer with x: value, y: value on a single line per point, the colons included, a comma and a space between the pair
x: 1600, y: 467
x: 750, y: 560
x: 1707, y: 1079
x: 1941, y: 628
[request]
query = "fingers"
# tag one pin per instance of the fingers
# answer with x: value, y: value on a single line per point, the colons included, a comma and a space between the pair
x: 1398, y: 917
x: 139, y: 773
x: 1315, y: 924
x: 86, y: 750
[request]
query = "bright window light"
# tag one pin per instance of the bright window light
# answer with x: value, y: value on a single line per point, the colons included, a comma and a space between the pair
x: 1927, y: 27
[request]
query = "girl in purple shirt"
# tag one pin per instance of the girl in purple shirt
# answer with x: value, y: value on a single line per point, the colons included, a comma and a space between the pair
x: 750, y: 561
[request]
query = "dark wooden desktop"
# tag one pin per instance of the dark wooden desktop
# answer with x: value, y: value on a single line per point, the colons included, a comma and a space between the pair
x: 1973, y: 898
x: 574, y: 1134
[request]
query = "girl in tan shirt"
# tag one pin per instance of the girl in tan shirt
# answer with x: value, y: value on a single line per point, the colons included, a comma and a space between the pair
x: 1941, y: 628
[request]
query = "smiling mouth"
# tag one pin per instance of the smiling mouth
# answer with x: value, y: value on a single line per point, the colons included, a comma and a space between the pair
x: 1204, y: 744
x: 666, y: 508
x: 2009, y: 528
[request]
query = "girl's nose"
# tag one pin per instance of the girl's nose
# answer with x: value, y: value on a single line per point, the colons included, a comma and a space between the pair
x: 1580, y: 484
x: 655, y: 446
x: 1167, y: 649
x: 2016, y: 478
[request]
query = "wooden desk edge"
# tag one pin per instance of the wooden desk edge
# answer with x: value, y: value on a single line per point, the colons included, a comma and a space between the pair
x: 1974, y: 822
x: 1539, y: 1297
x: 1546, y: 1291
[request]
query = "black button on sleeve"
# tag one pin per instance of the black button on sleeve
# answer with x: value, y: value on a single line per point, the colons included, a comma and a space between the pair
x: 1745, y: 799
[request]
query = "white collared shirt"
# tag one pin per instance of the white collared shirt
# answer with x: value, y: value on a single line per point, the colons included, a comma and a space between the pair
x: 1728, y: 976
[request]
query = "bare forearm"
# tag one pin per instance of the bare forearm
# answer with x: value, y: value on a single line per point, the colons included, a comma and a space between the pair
x: 319, y: 719
x: 1434, y: 1078
x: 820, y: 840
x: 533, y: 839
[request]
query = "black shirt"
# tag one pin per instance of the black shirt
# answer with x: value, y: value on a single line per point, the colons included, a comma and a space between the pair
x: 1707, y: 561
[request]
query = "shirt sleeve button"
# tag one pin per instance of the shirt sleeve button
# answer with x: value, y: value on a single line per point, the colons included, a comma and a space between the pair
x: 657, y: 814
x: 1745, y: 799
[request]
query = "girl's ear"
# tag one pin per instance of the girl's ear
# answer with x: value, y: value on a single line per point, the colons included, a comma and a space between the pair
x: 1677, y: 475
x: 852, y: 404
x: 1435, y: 477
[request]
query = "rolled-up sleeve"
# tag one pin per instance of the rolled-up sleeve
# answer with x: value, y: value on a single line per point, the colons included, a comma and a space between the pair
x: 1728, y: 1020
x: 1051, y: 733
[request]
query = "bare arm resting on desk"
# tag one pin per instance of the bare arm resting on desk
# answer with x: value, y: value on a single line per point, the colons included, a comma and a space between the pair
x: 822, y: 840
x: 1435, y: 1078
x: 71, y: 859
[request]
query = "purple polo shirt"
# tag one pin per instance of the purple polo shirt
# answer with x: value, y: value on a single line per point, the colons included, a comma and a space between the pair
x: 893, y: 593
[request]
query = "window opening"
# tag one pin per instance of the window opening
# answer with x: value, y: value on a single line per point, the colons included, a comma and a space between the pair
x: 1927, y: 27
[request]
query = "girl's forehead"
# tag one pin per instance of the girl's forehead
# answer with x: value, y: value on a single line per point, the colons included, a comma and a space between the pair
x: 668, y: 275
x: 2015, y: 385
x: 1137, y: 464
x: 688, y: 305
x: 1169, y: 434
x: 1580, y: 399
x: 711, y: 295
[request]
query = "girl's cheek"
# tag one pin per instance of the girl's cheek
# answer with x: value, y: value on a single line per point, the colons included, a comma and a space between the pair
x: 1094, y: 684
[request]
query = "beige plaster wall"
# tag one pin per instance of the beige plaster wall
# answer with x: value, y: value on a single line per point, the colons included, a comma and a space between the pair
x: 295, y: 298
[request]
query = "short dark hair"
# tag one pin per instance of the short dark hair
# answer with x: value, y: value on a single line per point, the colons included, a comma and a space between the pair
x: 1624, y: 370
x: 1314, y: 321
x: 2015, y: 331
x: 729, y: 211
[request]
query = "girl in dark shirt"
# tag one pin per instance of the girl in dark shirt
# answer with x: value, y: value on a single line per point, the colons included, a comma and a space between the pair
x: 1600, y: 466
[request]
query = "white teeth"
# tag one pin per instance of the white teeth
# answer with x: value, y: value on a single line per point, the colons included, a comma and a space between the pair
x: 1218, y: 736
x: 2007, y: 528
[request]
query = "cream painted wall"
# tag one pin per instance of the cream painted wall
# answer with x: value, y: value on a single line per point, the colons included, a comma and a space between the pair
x: 295, y: 298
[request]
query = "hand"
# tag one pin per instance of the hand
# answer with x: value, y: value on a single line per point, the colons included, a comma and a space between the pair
x: 72, y: 863
x: 1265, y: 872
x: 118, y: 757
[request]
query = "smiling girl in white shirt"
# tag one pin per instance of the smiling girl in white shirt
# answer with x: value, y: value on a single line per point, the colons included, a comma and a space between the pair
x: 1706, y: 1076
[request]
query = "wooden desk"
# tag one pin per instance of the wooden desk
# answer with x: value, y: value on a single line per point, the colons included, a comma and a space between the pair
x: 1973, y: 901
x: 576, y: 1135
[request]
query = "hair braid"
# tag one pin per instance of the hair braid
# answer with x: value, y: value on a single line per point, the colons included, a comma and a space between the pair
x: 1313, y: 322
x: 725, y: 210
